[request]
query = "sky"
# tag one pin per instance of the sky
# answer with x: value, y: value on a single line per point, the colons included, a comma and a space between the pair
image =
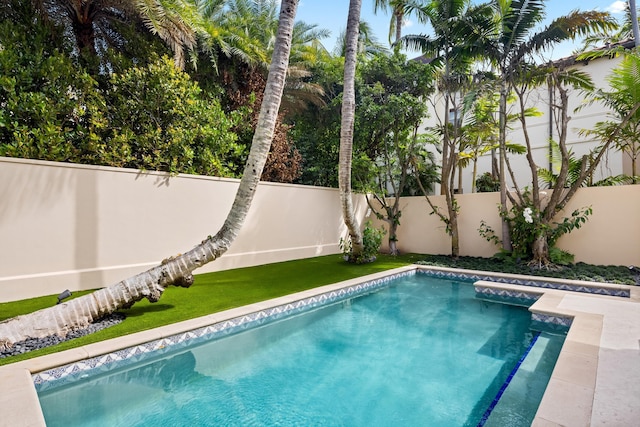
x: 332, y: 15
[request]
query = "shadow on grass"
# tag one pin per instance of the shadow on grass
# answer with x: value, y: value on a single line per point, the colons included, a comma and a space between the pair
x: 151, y: 308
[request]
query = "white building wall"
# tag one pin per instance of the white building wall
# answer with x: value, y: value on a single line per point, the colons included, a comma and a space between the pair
x: 539, y: 127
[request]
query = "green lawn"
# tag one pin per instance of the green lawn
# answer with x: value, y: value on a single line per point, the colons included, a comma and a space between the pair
x: 214, y: 292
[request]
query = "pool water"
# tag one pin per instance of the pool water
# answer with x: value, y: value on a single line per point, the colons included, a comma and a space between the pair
x: 423, y: 351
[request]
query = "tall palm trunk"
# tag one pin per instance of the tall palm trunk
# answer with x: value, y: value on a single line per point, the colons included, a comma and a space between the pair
x: 506, y: 234
x: 79, y: 312
x: 398, y: 13
x: 346, y: 129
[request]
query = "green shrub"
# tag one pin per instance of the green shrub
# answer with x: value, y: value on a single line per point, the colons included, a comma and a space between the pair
x: 526, y: 225
x: 486, y: 183
x: 161, y: 121
x: 149, y: 117
x: 371, y: 240
x: 49, y: 108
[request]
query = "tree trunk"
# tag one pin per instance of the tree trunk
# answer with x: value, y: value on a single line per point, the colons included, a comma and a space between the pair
x: 474, y: 175
x: 540, y: 250
x: 399, y: 15
x: 79, y: 312
x: 346, y: 129
x: 393, y: 237
x: 506, y: 235
x: 455, y: 235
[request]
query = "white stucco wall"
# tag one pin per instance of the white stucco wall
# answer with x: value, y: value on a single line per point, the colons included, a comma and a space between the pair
x: 65, y: 226
x: 611, y: 236
x: 538, y: 127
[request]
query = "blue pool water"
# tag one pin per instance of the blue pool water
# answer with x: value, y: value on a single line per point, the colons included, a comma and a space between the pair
x: 423, y: 351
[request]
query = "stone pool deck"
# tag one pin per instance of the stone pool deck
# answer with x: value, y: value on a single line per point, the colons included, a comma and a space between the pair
x: 596, y: 380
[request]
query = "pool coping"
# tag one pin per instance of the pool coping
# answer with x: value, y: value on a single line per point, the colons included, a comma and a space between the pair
x: 19, y: 402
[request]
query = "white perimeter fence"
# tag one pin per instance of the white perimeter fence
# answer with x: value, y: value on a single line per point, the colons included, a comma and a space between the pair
x: 65, y: 226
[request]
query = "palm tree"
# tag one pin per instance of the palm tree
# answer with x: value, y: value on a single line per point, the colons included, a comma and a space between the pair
x: 368, y: 45
x: 510, y: 47
x: 457, y: 25
x: 239, y: 43
x: 610, y: 37
x: 79, y: 312
x: 346, y: 131
x: 93, y: 23
x: 399, y: 10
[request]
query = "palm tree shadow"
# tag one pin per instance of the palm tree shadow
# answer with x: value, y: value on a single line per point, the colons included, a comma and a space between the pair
x: 137, y: 311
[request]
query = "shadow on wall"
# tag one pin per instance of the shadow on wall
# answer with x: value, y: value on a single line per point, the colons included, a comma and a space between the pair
x: 23, y: 194
x: 86, y: 228
x: 45, y: 197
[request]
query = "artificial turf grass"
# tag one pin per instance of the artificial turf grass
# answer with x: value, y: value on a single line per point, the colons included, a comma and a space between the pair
x: 212, y: 293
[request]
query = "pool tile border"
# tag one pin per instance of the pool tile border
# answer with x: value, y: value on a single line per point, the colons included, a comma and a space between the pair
x: 545, y: 283
x: 53, y: 378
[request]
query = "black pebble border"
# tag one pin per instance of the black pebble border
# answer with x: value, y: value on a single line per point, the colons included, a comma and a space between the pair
x: 38, y: 343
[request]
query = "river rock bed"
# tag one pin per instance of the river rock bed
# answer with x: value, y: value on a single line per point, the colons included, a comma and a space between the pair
x: 38, y: 343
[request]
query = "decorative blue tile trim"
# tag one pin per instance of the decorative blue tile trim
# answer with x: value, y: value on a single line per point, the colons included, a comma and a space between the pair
x: 624, y: 293
x: 59, y: 376
x: 506, y: 293
x: 552, y: 319
x: 56, y: 377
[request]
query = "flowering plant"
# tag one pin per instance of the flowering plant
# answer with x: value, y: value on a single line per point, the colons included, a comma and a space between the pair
x: 527, y: 224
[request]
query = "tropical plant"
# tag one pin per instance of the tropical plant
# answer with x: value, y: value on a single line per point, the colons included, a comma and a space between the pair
x: 527, y: 225
x: 94, y: 25
x: 239, y: 44
x: 457, y: 27
x: 546, y: 207
x: 389, y: 112
x: 149, y: 117
x: 79, y: 312
x: 511, y: 45
x: 487, y: 183
x: 160, y: 120
x: 371, y: 241
x: 368, y: 45
x: 623, y: 98
x: 399, y: 10
x: 479, y: 132
x: 49, y: 108
x: 610, y: 37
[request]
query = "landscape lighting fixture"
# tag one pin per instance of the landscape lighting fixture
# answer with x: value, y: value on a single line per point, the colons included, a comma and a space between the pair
x: 64, y: 295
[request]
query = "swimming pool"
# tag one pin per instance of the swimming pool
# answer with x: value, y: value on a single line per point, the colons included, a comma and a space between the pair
x: 419, y: 349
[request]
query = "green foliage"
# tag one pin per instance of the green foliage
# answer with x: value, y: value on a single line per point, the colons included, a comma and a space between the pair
x: 623, y: 126
x: 159, y: 120
x: 526, y: 225
x: 389, y: 103
x: 560, y: 257
x: 150, y: 117
x: 488, y: 233
x: 577, y: 219
x: 49, y: 109
x: 487, y: 183
x: 371, y: 239
x: 505, y: 264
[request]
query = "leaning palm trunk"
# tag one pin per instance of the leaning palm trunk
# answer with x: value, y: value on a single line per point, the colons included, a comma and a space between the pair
x: 79, y: 312
x: 346, y: 130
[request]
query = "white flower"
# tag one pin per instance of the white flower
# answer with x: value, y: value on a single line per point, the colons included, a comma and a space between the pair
x: 71, y: 93
x: 526, y: 213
